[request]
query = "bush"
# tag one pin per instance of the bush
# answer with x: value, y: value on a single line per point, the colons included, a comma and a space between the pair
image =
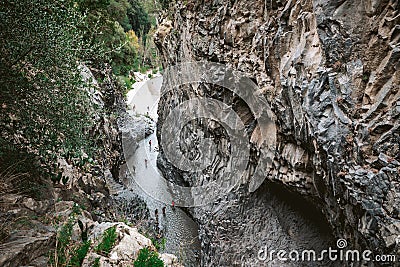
x: 60, y: 258
x: 127, y: 82
x: 19, y: 173
x: 69, y: 253
x: 45, y: 110
x: 96, y: 262
x: 108, y: 241
x: 158, y: 244
x: 147, y: 258
x: 79, y: 254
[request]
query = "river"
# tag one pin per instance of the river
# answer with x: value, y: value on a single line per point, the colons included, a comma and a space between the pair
x: 181, y: 232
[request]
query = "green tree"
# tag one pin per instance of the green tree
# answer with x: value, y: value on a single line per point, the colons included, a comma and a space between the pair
x: 117, y: 10
x: 107, y: 24
x: 45, y: 107
x: 139, y: 18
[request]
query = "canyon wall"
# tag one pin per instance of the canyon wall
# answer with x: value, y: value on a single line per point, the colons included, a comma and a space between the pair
x: 330, y: 72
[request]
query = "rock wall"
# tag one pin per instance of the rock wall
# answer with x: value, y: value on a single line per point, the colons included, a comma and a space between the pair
x: 330, y: 71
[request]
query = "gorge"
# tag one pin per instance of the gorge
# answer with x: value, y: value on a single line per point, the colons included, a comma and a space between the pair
x: 200, y: 133
x: 330, y: 71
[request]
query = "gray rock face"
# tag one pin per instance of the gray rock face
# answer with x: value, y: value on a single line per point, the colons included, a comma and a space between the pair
x: 23, y: 250
x: 330, y: 71
x: 126, y: 250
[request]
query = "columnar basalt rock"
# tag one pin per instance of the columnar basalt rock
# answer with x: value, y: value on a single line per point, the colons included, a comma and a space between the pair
x: 330, y: 71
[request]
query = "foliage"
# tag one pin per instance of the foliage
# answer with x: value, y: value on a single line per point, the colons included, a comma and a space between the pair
x: 45, y: 109
x: 133, y: 39
x: 19, y: 173
x: 147, y: 258
x: 127, y: 82
x: 111, y: 25
x: 79, y: 254
x: 158, y: 244
x: 67, y: 252
x: 108, y: 241
x: 165, y: 3
x: 96, y: 262
x: 123, y: 54
x: 118, y: 11
x: 139, y: 18
x: 62, y: 246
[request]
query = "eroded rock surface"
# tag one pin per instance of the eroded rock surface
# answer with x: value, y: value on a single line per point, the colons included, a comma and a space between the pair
x: 126, y: 250
x: 330, y: 71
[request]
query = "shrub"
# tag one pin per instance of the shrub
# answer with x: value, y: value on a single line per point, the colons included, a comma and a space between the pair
x: 96, y: 262
x: 19, y: 173
x: 108, y: 241
x: 67, y: 252
x: 45, y: 110
x: 158, y: 244
x: 61, y: 256
x: 148, y: 258
x: 79, y: 254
